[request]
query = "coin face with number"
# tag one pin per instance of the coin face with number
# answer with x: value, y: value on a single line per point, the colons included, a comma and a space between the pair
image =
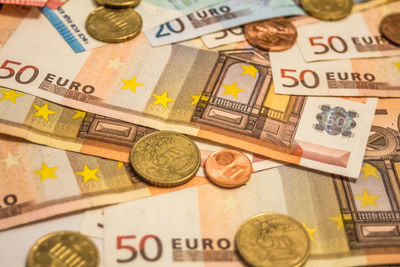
x: 165, y: 158
x: 118, y: 3
x: 113, y: 25
x: 328, y: 9
x: 65, y: 248
x: 228, y: 168
x: 272, y: 239
x: 390, y: 28
x: 273, y: 34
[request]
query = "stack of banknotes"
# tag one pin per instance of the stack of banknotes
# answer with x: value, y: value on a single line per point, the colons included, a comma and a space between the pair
x: 320, y: 123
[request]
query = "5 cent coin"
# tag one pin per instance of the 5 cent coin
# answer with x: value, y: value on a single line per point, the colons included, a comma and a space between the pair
x: 390, y: 28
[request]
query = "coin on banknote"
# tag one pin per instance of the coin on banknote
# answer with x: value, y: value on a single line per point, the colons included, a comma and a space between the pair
x: 228, y: 168
x: 65, y: 248
x: 272, y: 239
x: 118, y: 3
x: 165, y: 158
x: 390, y: 27
x: 328, y: 9
x: 113, y: 25
x: 272, y: 34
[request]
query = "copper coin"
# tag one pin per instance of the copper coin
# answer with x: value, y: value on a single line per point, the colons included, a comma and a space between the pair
x: 228, y: 168
x: 390, y: 27
x: 272, y: 34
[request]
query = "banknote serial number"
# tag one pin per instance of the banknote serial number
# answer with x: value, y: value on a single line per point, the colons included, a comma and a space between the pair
x: 29, y: 73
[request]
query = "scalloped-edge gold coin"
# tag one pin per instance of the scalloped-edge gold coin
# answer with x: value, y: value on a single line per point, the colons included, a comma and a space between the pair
x: 165, y: 158
x: 272, y: 239
x: 118, y: 3
x: 113, y: 25
x: 328, y: 9
x: 64, y: 248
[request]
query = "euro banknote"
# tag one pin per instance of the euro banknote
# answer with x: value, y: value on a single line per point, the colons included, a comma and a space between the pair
x: 224, y: 15
x: 349, y: 223
x: 25, y: 2
x: 191, y: 91
x: 336, y: 40
x: 69, y: 20
x: 46, y: 123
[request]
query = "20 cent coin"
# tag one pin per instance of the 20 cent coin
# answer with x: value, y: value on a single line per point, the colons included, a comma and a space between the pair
x: 118, y: 3
x: 328, y: 9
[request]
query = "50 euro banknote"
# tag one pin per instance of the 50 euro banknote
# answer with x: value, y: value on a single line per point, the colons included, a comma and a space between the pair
x: 226, y: 96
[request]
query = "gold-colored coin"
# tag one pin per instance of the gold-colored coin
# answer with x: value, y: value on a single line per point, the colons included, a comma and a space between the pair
x: 165, y: 158
x: 113, y: 25
x: 118, y: 3
x: 65, y: 248
x: 272, y: 239
x: 328, y: 9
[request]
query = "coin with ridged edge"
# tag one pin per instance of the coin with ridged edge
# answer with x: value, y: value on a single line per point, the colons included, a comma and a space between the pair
x: 118, y: 3
x: 113, y: 25
x: 272, y: 239
x: 328, y: 9
x: 165, y: 158
x: 390, y: 28
x: 65, y: 248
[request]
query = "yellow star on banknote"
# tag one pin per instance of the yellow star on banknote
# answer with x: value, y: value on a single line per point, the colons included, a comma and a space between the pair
x: 43, y: 111
x: 196, y: 99
x: 131, y: 84
x: 250, y: 69
x: 11, y: 160
x: 339, y: 221
x: 79, y: 114
x: 162, y: 99
x: 10, y: 95
x: 120, y: 164
x: 115, y: 64
x: 367, y: 199
x: 46, y: 172
x: 397, y: 64
x: 232, y: 90
x: 369, y: 170
x: 310, y: 231
x: 88, y: 174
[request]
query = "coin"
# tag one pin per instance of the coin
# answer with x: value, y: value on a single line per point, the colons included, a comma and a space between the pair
x: 113, y: 25
x: 165, y: 158
x: 65, y: 248
x: 328, y: 9
x: 272, y: 239
x: 390, y: 27
x: 118, y: 3
x: 228, y: 168
x: 272, y: 34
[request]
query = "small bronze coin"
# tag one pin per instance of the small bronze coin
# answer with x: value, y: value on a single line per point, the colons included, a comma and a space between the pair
x: 273, y: 34
x: 65, y: 248
x: 113, y: 25
x: 228, y: 168
x: 390, y: 28
x: 118, y: 3
x: 272, y: 239
x: 328, y: 9
x: 165, y: 158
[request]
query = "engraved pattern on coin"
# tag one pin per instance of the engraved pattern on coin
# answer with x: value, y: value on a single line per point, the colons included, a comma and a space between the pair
x: 273, y: 34
x: 113, y: 25
x: 328, y: 9
x: 65, y: 248
x: 390, y: 27
x: 271, y: 239
x: 336, y: 121
x: 165, y: 158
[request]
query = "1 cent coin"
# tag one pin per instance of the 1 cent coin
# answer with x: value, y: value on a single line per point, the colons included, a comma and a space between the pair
x: 390, y: 28
x: 228, y: 168
x: 328, y: 9
x: 113, y: 25
x: 272, y: 34
x: 272, y: 239
x: 65, y: 248
x: 165, y: 158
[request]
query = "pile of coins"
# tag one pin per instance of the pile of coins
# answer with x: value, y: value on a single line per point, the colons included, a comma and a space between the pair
x: 114, y: 21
